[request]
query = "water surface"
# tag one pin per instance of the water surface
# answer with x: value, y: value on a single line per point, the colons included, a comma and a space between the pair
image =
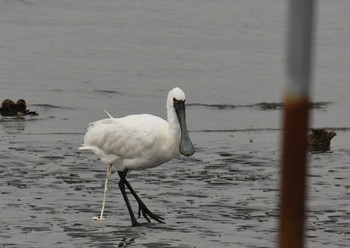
x: 71, y: 60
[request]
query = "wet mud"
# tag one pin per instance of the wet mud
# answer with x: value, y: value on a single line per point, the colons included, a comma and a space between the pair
x: 226, y: 195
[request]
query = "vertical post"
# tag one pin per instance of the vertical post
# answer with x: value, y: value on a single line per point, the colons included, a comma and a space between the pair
x: 296, y: 121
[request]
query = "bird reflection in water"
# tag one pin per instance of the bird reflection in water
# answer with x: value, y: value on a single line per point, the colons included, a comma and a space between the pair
x: 126, y: 242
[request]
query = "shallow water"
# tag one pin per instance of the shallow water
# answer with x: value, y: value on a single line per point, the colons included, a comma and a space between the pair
x: 71, y: 60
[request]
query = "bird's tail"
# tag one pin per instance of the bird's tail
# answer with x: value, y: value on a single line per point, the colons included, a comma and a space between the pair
x: 85, y: 147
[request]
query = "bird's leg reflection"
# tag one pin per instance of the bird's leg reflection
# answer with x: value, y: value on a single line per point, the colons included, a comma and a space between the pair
x: 126, y: 242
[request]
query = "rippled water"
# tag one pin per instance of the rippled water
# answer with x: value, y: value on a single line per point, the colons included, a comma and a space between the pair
x: 71, y: 60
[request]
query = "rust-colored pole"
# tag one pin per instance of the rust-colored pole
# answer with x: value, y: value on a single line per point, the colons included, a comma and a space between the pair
x: 296, y: 121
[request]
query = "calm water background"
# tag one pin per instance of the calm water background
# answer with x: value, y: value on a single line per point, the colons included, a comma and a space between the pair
x: 70, y: 60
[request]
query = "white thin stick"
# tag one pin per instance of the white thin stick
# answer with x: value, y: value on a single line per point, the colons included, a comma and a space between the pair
x: 299, y: 47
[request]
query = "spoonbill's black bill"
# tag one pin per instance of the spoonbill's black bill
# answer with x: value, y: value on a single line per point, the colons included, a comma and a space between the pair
x: 138, y: 142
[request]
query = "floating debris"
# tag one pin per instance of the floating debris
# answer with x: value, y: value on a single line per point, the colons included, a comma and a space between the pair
x: 320, y: 139
x: 9, y: 108
x: 260, y: 105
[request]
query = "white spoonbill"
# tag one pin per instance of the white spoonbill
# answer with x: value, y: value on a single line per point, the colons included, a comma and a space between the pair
x: 139, y: 142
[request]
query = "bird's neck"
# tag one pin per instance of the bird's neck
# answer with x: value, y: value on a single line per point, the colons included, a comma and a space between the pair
x: 174, y: 126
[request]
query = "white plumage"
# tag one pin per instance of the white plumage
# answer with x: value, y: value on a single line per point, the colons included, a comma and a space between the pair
x: 140, y: 141
x: 132, y: 142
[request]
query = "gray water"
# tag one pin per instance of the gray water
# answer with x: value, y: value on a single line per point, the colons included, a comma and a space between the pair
x: 70, y: 60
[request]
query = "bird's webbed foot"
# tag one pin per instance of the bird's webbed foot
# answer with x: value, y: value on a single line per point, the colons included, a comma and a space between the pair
x: 147, y: 214
x: 98, y: 218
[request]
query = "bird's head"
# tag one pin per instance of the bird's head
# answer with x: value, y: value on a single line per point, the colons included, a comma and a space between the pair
x: 176, y: 100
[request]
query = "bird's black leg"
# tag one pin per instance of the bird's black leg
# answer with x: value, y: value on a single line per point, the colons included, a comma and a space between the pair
x: 142, y: 207
x: 122, y: 175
